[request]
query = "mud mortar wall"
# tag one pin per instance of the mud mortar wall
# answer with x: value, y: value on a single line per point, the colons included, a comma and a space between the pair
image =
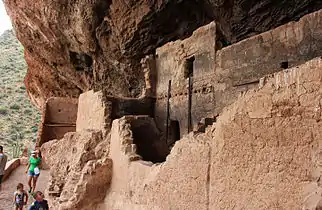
x: 220, y: 75
x: 58, y: 117
x: 97, y: 110
x: 264, y: 152
x: 286, y: 46
x: 179, y: 183
x: 171, y: 63
x: 93, y: 112
x: 171, y: 59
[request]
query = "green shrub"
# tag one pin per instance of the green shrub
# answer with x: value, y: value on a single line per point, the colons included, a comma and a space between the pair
x: 27, y: 111
x: 15, y: 107
x: 3, y: 111
x: 34, y: 129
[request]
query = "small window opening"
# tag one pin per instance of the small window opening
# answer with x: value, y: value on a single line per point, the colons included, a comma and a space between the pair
x: 188, y: 71
x: 204, y: 123
x: 284, y: 65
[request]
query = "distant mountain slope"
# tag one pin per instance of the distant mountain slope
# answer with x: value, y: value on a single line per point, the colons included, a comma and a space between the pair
x: 18, y: 117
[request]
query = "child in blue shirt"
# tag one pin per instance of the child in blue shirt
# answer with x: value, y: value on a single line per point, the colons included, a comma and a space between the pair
x: 40, y: 203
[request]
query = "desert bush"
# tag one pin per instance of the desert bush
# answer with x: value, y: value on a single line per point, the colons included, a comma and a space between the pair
x: 15, y: 107
x: 21, y: 117
x: 3, y: 111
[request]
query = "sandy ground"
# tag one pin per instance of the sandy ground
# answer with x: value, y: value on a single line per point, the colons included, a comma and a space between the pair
x: 9, y: 186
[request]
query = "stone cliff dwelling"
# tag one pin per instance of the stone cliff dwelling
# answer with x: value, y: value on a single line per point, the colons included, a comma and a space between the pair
x: 207, y: 109
x: 58, y: 117
x: 190, y: 81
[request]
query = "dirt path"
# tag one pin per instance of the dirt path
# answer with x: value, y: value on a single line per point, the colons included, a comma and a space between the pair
x: 9, y: 186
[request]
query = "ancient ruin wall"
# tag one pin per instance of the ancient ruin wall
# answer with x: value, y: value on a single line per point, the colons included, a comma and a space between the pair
x: 263, y: 153
x: 171, y: 59
x: 266, y: 149
x: 175, y: 184
x: 93, y: 112
x: 58, y: 117
x: 220, y: 75
x: 97, y: 110
x: 79, y: 168
x: 172, y: 63
x: 284, y: 47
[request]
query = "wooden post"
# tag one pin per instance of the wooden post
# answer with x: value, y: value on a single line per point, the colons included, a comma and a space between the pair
x: 189, y: 101
x: 168, y: 112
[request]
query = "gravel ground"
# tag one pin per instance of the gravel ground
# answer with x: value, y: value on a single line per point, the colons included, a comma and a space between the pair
x: 9, y: 186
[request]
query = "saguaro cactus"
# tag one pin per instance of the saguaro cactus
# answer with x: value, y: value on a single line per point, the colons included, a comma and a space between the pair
x: 16, y: 149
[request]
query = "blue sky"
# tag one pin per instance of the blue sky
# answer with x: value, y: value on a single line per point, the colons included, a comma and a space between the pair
x: 5, y: 22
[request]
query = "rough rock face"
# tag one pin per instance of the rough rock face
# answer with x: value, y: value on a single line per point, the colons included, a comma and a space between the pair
x: 72, y: 46
x: 80, y: 171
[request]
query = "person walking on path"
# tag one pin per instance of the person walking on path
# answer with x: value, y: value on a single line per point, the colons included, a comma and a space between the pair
x: 40, y: 203
x: 3, y: 162
x: 33, y: 170
x: 20, y: 197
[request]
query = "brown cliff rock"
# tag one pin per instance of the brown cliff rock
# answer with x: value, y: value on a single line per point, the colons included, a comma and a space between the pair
x: 73, y: 46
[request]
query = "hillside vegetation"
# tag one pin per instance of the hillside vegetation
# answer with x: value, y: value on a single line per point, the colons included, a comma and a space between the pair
x: 18, y: 117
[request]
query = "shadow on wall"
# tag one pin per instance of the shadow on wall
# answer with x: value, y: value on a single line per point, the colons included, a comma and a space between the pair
x: 148, y: 142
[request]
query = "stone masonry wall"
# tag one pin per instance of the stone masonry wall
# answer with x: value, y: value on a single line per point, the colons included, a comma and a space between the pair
x: 250, y: 59
x: 93, y: 112
x: 179, y: 183
x: 264, y: 152
x: 97, y: 110
x: 80, y: 172
x: 171, y: 59
x: 221, y: 75
x: 171, y: 64
x: 266, y: 149
x: 58, y: 117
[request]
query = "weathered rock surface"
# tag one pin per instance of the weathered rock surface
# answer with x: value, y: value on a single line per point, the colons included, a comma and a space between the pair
x: 74, y: 46
x: 80, y: 173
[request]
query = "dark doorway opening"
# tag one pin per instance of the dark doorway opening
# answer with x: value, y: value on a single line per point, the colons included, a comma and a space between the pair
x: 189, y: 75
x: 148, y: 142
x: 284, y: 65
x: 174, y: 131
x: 188, y: 70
